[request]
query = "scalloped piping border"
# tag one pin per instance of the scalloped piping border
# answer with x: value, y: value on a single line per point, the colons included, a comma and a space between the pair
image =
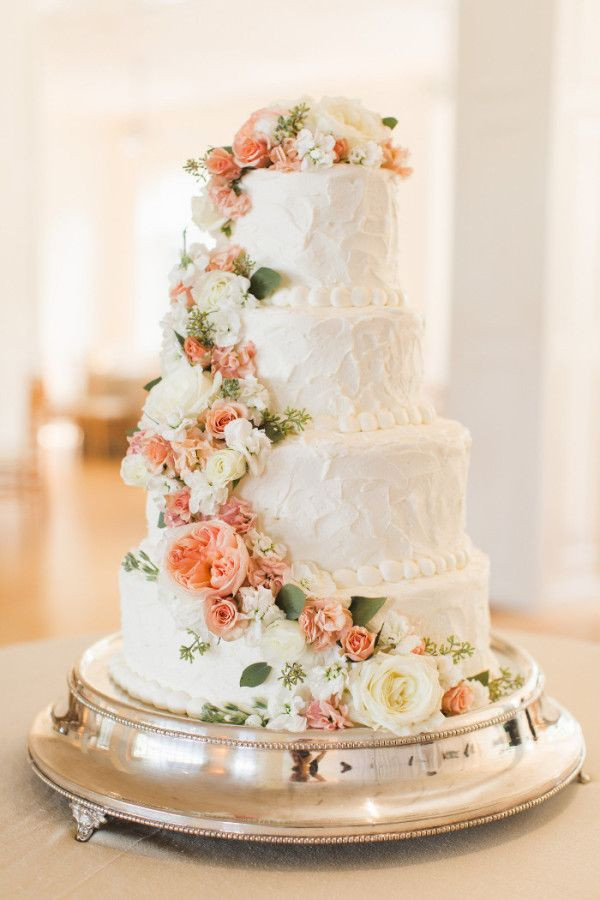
x: 340, y: 296
x: 392, y: 571
x: 415, y: 414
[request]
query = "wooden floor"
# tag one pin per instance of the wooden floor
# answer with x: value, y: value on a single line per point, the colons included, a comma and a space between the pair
x: 62, y: 545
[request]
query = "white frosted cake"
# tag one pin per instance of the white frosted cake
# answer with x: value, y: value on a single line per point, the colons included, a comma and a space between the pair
x: 306, y: 563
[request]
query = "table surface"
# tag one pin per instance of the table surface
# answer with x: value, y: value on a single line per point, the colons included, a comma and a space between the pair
x: 552, y: 851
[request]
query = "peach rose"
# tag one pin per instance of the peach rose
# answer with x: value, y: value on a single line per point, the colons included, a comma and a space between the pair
x: 358, y: 644
x: 223, y: 619
x: 229, y: 204
x: 180, y: 290
x: 457, y: 699
x: 238, y: 363
x: 264, y: 571
x: 197, y: 353
x: 252, y: 142
x: 419, y: 649
x: 285, y: 156
x: 223, y: 260
x: 324, y: 621
x: 158, y: 454
x: 239, y: 514
x: 209, y: 560
x: 327, y: 715
x: 177, y: 511
x: 221, y: 414
x: 340, y: 148
x: 192, y: 452
x: 395, y: 158
x: 220, y: 161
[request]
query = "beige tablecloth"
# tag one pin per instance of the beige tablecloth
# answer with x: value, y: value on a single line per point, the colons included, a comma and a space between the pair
x: 552, y: 851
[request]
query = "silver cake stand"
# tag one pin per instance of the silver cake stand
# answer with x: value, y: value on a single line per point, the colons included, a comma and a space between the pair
x: 114, y: 757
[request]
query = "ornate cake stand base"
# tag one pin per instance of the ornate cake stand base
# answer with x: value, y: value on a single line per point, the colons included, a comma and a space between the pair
x: 114, y: 757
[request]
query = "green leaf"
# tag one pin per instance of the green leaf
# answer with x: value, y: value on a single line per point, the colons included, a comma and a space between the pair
x: 264, y: 282
x: 132, y: 431
x: 390, y: 121
x: 180, y: 339
x: 482, y: 677
x: 161, y: 520
x: 229, y: 149
x: 363, y: 609
x: 291, y: 600
x: 153, y: 383
x: 255, y: 674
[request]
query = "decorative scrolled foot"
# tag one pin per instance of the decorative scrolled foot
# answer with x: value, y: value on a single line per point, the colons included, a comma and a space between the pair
x: 584, y: 778
x: 87, y: 820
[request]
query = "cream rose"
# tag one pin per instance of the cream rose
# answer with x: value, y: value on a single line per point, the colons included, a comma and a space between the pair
x: 214, y: 289
x: 347, y: 120
x: 283, y: 641
x: 133, y: 470
x: 178, y: 399
x: 224, y: 466
x: 395, y: 692
x: 205, y: 214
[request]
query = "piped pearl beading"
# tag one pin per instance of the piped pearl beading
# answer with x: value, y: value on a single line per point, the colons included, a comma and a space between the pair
x: 340, y: 295
x: 392, y: 571
x: 417, y: 414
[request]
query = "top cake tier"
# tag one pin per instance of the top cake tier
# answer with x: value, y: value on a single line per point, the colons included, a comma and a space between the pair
x: 337, y: 227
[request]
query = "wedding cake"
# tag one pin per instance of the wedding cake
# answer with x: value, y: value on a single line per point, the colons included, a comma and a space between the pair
x: 306, y: 563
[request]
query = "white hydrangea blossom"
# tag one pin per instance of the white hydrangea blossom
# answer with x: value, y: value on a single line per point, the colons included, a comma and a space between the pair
x: 315, y: 150
x: 250, y: 442
x: 263, y: 545
x: 369, y: 154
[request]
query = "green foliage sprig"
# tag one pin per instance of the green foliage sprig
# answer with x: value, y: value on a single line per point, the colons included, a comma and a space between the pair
x: 140, y: 563
x: 243, y: 265
x: 197, y: 647
x: 458, y: 650
x: 290, y: 125
x: 200, y: 327
x: 504, y: 684
x: 277, y: 427
x: 230, y: 388
x: 292, y: 674
x: 196, y: 167
x: 228, y: 714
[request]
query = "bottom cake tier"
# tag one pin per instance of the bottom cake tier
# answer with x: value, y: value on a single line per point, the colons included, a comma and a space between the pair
x: 436, y: 630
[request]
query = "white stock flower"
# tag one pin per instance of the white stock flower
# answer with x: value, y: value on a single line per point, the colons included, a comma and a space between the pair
x: 481, y: 695
x: 397, y: 633
x: 324, y: 681
x: 449, y: 673
x: 205, y: 214
x: 223, y: 467
x: 205, y: 497
x: 252, y: 443
x: 226, y: 326
x: 262, y: 545
x: 283, y: 641
x: 313, y: 580
x: 395, y: 692
x: 182, y: 274
x: 369, y: 154
x: 254, y: 395
x: 133, y: 470
x: 347, y: 119
x: 315, y: 150
x: 258, y: 604
x: 212, y: 290
x: 285, y: 714
x: 178, y: 399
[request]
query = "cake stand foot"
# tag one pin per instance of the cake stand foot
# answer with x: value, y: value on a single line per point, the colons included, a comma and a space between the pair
x: 584, y: 778
x: 87, y: 820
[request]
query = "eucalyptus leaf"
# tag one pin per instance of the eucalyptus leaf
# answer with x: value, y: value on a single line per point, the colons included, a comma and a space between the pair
x: 264, y: 282
x: 482, y: 677
x: 255, y: 674
x: 153, y: 383
x: 180, y: 339
x: 291, y: 600
x: 161, y: 520
x: 362, y: 609
x: 390, y: 121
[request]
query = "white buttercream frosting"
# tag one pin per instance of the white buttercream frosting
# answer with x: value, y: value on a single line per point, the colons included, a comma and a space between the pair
x: 337, y: 226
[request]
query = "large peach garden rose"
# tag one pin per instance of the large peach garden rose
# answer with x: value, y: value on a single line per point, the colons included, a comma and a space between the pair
x: 207, y: 560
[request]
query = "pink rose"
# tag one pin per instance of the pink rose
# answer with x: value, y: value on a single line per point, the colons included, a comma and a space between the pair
x: 223, y: 619
x: 221, y: 414
x: 229, y: 204
x: 285, y: 156
x: 252, y: 143
x: 177, y: 510
x: 192, y: 452
x: 180, y: 290
x: 220, y: 161
x: 234, y: 363
x: 239, y: 514
x: 223, y: 260
x: 197, y: 353
x: 340, y: 148
x: 208, y: 559
x: 158, y: 454
x: 395, y: 158
x: 327, y: 715
x: 264, y: 571
x: 324, y: 621
x: 358, y: 644
x: 457, y: 699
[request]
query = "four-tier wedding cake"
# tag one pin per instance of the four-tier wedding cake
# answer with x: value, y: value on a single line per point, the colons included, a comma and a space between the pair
x: 306, y: 563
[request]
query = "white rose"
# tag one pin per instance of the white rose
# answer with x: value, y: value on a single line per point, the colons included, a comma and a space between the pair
x: 312, y: 579
x: 283, y: 641
x: 205, y: 214
x: 224, y: 466
x: 178, y: 399
x: 133, y: 470
x: 252, y: 443
x: 205, y: 498
x: 212, y: 290
x: 347, y: 119
x: 395, y: 692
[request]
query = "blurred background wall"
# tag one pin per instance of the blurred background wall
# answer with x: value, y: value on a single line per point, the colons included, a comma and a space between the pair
x: 102, y: 101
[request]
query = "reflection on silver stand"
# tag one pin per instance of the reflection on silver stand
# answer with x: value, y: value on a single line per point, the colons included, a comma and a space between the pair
x: 114, y: 757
